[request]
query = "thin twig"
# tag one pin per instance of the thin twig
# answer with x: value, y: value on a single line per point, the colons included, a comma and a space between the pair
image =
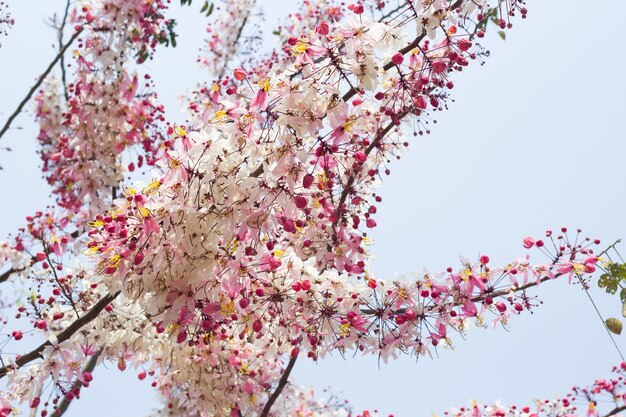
x: 61, y: 337
x: 62, y: 60
x: 606, y: 327
x: 279, y: 388
x: 34, y: 88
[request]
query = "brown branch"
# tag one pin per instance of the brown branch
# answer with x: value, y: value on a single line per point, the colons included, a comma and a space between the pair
x: 352, y: 178
x: 61, y: 337
x: 34, y: 88
x: 615, y: 411
x: 62, y: 60
x: 89, y: 367
x: 279, y: 388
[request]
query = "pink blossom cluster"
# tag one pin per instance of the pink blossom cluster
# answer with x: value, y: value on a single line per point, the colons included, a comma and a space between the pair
x: 107, y: 109
x: 226, y: 36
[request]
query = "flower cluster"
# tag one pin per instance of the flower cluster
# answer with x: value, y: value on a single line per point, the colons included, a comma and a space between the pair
x: 107, y: 109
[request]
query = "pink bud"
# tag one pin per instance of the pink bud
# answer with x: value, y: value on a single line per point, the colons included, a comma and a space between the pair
x: 420, y: 102
x: 307, y: 181
x: 240, y: 74
x: 40, y: 256
x: 35, y: 402
x: 484, y: 259
x: 257, y: 326
x: 529, y: 242
x: 87, y: 376
x: 397, y: 58
x: 371, y: 223
x: 138, y: 258
x: 500, y: 306
x: 301, y: 202
x: 439, y: 66
x: 464, y: 44
x: 289, y: 226
x: 323, y: 28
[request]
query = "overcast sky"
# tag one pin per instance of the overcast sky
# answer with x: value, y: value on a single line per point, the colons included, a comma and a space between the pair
x: 534, y: 140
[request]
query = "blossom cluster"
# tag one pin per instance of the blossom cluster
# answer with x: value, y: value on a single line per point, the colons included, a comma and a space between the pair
x: 107, y: 109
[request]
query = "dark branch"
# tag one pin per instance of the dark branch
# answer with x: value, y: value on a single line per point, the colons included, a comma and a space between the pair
x: 279, y: 388
x: 615, y: 411
x: 62, y: 60
x: 34, y: 88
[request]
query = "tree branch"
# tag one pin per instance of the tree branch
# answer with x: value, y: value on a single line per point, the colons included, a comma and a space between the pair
x: 615, y: 411
x: 62, y: 59
x: 279, y: 388
x: 34, y: 88
x: 61, y: 337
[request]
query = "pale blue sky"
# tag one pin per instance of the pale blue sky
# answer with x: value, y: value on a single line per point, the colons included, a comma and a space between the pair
x: 535, y: 140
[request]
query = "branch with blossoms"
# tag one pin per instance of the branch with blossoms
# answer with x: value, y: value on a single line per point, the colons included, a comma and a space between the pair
x: 249, y: 245
x: 603, y: 398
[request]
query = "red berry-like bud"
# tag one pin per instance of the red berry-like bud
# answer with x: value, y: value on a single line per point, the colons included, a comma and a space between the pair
x: 239, y: 74
x: 323, y: 28
x: 397, y: 58
x: 301, y: 202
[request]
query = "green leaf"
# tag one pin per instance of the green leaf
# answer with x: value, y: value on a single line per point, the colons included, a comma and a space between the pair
x: 618, y: 270
x: 614, y: 325
x: 622, y: 295
x: 502, y: 34
x: 609, y: 283
x: 204, y: 7
x: 210, y: 11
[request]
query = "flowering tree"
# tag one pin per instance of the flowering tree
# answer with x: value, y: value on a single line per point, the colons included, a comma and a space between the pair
x: 246, y: 245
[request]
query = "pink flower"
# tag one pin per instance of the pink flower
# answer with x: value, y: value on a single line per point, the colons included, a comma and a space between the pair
x: 240, y: 74
x: 529, y: 242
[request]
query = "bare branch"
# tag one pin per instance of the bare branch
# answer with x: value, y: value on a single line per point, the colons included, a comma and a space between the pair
x: 62, y: 60
x: 34, y: 88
